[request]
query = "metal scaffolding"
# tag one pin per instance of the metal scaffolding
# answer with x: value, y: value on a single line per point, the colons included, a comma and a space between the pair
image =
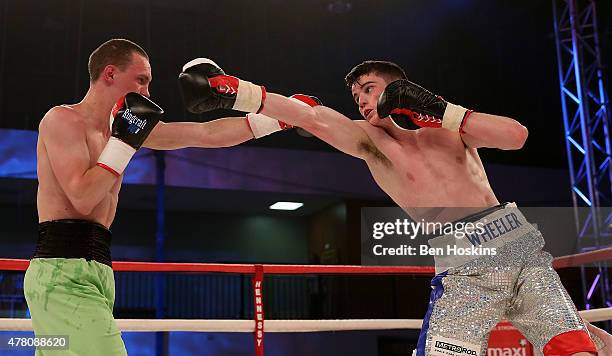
x: 586, y: 116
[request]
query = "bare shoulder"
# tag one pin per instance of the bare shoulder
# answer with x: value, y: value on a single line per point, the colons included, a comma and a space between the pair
x: 378, y: 135
x: 61, y: 120
x: 363, y: 124
x: 375, y: 132
x: 370, y: 130
x: 61, y: 115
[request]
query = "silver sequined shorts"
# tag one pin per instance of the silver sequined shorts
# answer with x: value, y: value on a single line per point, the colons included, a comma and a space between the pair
x: 472, y: 293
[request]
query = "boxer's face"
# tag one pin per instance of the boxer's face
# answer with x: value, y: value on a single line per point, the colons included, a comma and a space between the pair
x: 366, y: 91
x: 136, y: 77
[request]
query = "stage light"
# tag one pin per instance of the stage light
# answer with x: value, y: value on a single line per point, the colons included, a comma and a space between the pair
x: 286, y: 205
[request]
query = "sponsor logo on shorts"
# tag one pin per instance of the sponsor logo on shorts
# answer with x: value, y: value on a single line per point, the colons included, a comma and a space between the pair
x: 442, y: 346
x: 455, y: 348
x: 506, y: 351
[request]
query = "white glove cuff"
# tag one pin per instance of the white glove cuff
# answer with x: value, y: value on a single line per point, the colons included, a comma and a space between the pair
x: 262, y: 125
x: 453, y: 117
x: 116, y: 156
x: 248, y: 98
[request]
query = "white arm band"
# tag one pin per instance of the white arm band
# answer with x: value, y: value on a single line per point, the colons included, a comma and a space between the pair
x: 248, y: 98
x: 262, y: 125
x: 453, y: 117
x: 116, y: 156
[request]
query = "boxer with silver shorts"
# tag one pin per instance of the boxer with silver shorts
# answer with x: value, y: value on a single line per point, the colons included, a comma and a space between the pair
x: 472, y: 293
x: 423, y: 152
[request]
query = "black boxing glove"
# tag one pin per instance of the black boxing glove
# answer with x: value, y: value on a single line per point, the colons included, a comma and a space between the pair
x: 206, y: 87
x: 133, y: 118
x: 412, y: 106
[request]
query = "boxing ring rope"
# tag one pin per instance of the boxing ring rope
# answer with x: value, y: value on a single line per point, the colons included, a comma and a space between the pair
x: 575, y: 260
x: 258, y: 325
x: 271, y: 326
x: 125, y: 266
x: 241, y: 326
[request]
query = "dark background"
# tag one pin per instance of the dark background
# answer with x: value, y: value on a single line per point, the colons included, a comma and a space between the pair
x: 493, y: 56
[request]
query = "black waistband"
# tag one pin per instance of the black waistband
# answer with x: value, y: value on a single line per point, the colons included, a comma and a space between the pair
x: 70, y: 238
x: 481, y: 214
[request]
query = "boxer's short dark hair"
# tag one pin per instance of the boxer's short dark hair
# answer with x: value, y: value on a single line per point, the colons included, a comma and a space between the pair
x: 117, y: 52
x: 388, y: 70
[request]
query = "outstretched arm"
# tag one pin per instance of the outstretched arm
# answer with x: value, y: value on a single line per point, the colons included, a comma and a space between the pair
x: 323, y: 122
x: 206, y: 87
x: 224, y: 132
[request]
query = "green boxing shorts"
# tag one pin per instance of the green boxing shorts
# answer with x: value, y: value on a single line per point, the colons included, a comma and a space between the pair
x: 73, y: 297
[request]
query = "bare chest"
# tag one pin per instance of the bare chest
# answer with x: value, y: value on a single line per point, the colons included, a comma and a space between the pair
x: 426, y: 167
x: 96, y: 141
x: 425, y: 153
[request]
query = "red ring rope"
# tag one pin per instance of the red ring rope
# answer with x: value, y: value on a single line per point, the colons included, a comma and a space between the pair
x: 7, y: 264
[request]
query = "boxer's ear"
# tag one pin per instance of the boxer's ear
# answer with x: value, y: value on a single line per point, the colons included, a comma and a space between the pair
x: 108, y: 73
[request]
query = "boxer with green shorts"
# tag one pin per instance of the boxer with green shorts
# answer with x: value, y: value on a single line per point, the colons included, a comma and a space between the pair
x: 70, y: 296
x: 82, y: 151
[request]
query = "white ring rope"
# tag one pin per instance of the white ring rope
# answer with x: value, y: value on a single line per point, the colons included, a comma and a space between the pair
x: 278, y: 326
